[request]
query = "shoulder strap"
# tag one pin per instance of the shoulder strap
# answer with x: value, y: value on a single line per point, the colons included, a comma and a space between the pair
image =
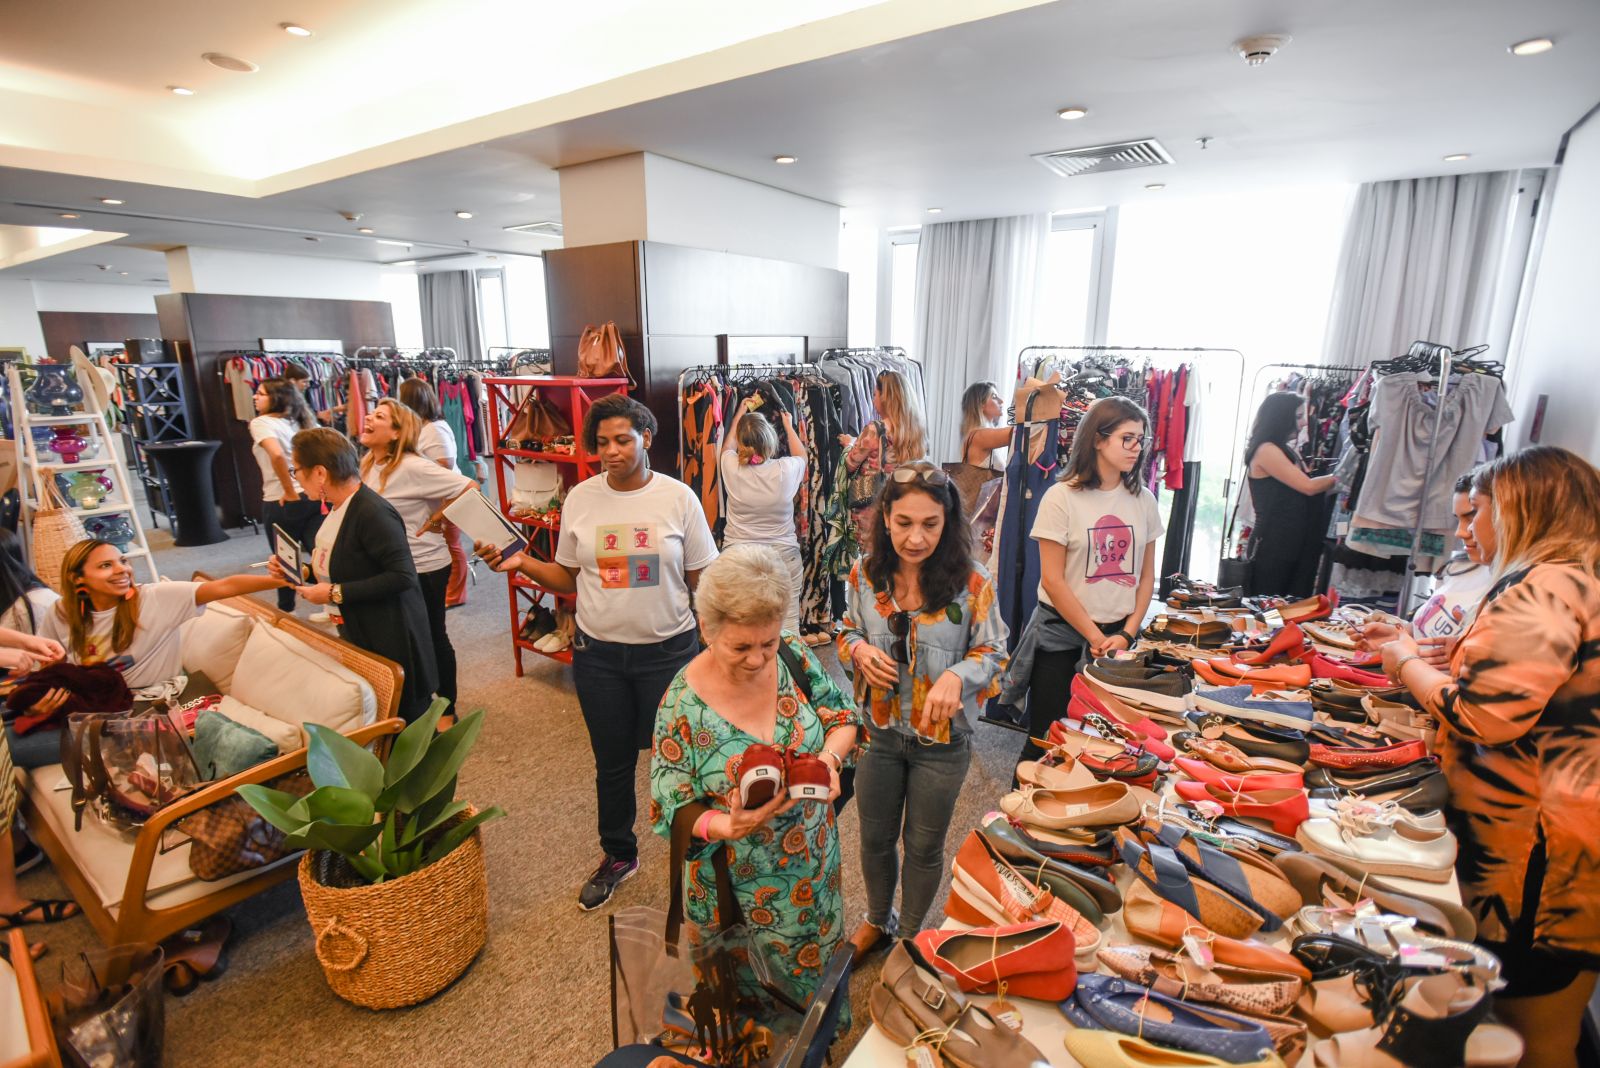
x: 796, y: 663
x: 728, y: 912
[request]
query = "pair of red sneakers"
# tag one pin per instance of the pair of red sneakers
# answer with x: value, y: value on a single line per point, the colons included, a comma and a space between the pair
x: 765, y: 770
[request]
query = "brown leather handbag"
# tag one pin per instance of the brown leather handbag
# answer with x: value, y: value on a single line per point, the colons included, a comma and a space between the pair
x: 601, y: 353
x: 230, y: 837
x: 537, y: 420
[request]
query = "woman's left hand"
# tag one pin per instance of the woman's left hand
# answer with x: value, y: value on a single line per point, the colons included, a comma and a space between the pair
x: 46, y: 649
x: 943, y: 700
x: 434, y: 524
x: 1395, y: 651
x: 834, y: 786
x: 321, y: 593
x: 1111, y: 644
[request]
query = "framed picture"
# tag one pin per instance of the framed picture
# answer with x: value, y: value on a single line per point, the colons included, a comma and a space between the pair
x: 13, y: 355
x: 96, y: 349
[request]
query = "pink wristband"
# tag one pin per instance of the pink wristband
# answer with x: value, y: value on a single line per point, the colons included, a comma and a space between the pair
x: 702, y: 826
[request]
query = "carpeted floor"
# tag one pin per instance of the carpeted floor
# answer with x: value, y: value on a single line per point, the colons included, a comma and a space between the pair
x: 539, y: 993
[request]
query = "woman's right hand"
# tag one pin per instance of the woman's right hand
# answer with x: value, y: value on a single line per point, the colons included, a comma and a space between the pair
x: 489, y: 553
x: 846, y: 440
x: 1375, y: 636
x: 875, y: 665
x: 741, y: 820
x: 46, y: 649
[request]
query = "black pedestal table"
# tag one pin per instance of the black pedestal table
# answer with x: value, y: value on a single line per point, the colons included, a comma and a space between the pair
x: 186, y: 465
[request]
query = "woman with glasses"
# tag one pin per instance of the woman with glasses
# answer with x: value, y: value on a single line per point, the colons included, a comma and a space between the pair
x: 925, y: 643
x: 1286, y: 538
x: 1097, y: 531
x: 281, y: 412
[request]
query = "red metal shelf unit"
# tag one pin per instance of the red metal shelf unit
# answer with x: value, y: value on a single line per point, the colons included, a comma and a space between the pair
x: 507, y: 397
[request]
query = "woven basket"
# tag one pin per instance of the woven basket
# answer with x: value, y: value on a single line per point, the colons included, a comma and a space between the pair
x: 397, y: 943
x: 56, y: 528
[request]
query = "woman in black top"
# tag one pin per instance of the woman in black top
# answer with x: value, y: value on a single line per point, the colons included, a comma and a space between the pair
x: 363, y: 565
x: 1291, y: 519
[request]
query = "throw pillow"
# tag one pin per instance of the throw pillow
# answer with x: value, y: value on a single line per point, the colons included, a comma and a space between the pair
x: 223, y: 748
x: 290, y: 681
x: 285, y: 736
x: 213, y: 641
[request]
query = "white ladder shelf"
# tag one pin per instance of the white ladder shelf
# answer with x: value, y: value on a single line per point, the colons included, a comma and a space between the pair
x: 31, y: 467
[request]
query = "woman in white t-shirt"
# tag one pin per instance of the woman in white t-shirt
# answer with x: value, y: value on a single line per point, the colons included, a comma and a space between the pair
x: 281, y: 412
x: 417, y: 488
x: 761, y: 487
x: 633, y: 543
x: 437, y: 442
x: 1097, y: 530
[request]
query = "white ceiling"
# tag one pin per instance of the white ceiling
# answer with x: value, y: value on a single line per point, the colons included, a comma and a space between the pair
x: 1368, y: 90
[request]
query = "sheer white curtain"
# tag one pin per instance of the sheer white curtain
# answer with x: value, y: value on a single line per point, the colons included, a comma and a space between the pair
x: 1420, y: 262
x: 977, y: 285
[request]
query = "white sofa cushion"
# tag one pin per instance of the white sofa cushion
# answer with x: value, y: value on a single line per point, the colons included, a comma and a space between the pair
x: 13, y: 1025
x: 285, y: 736
x: 212, y: 642
x: 292, y: 682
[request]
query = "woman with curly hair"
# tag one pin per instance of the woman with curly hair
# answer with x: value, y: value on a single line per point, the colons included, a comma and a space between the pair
x: 924, y: 640
x: 783, y: 858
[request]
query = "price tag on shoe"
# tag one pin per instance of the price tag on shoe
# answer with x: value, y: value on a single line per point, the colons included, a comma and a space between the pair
x: 1272, y: 618
x: 921, y: 1055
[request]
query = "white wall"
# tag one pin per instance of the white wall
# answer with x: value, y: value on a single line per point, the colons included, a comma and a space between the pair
x: 263, y: 274
x: 689, y: 205
x: 603, y: 201
x: 95, y: 297
x: 19, y: 317
x: 1559, y: 354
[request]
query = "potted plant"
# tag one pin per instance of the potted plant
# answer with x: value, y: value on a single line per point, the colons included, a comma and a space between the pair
x: 393, y: 877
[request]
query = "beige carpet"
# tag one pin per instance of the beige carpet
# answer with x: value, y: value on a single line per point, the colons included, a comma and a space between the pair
x: 539, y: 993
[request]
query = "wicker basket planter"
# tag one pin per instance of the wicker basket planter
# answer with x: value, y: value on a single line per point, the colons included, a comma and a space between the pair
x: 396, y: 943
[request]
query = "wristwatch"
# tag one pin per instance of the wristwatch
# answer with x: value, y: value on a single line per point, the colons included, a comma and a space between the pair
x: 337, y: 593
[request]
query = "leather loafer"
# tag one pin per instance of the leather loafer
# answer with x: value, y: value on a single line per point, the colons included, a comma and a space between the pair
x: 1034, y: 960
x: 1372, y: 780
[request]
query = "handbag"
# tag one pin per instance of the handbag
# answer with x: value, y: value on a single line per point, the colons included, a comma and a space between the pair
x: 601, y: 353
x: 1047, y: 397
x: 126, y: 767
x: 230, y: 837
x: 537, y: 423
x: 969, y: 479
x: 56, y: 528
x: 869, y: 478
x: 536, y: 485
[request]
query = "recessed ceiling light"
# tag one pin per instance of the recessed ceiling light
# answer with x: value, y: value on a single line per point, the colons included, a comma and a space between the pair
x: 297, y: 31
x: 1531, y: 47
x: 68, y: 215
x: 363, y: 229
x: 934, y: 211
x: 233, y: 63
x: 123, y: 273
x: 1156, y: 186
x: 180, y: 90
x: 403, y: 263
x: 113, y: 201
x: 104, y: 266
x: 463, y: 214
x: 401, y: 244
x: 1457, y: 157
x: 1072, y: 113
x: 783, y: 159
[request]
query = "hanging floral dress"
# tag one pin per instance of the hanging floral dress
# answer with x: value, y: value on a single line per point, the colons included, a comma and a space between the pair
x: 786, y: 872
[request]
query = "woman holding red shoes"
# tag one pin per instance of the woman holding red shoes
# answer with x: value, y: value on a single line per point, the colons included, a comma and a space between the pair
x: 1519, y: 741
x: 756, y: 688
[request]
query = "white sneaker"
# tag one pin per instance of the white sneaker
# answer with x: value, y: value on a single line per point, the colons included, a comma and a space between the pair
x: 1375, y: 840
x: 1323, y: 808
x: 321, y: 617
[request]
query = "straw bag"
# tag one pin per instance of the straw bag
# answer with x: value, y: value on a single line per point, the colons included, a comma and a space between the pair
x: 383, y: 945
x: 56, y: 527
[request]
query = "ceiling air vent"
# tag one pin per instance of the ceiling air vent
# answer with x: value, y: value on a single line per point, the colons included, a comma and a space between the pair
x: 1098, y: 159
x: 538, y: 229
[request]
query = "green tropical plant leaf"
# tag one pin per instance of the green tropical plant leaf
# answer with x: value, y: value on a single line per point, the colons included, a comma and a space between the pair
x: 458, y: 834
x: 445, y: 815
x: 427, y: 812
x: 346, y: 841
x: 337, y: 804
x: 334, y: 760
x: 273, y: 805
x: 437, y: 769
x: 412, y: 743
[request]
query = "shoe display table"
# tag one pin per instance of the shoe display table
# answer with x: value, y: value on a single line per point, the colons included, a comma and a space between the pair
x: 186, y: 467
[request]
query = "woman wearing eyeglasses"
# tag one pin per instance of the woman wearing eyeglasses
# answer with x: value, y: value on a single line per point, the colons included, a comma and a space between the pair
x: 925, y: 643
x: 1097, y: 531
x: 1286, y: 539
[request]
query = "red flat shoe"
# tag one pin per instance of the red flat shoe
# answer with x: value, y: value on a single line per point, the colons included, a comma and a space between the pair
x: 1260, y: 679
x: 1320, y: 606
x: 1288, y: 642
x: 1286, y: 810
x: 1203, y: 771
x: 1035, y: 960
x: 1107, y: 703
x: 1325, y: 667
x: 1383, y: 756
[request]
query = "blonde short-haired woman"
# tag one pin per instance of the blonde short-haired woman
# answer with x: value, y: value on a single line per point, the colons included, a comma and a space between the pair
x: 761, y: 487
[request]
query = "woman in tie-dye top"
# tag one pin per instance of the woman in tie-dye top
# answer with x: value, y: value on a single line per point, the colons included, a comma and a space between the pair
x: 925, y: 643
x: 1519, y: 741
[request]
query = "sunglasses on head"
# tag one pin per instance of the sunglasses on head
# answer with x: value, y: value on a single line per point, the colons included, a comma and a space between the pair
x: 925, y: 473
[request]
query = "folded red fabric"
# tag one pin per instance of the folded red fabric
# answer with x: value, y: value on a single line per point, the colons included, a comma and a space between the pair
x: 91, y: 688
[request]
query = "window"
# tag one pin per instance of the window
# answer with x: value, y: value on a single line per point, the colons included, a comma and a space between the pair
x: 527, y: 318
x: 405, y: 303
x: 492, y: 307
x: 903, y: 290
x: 1071, y: 303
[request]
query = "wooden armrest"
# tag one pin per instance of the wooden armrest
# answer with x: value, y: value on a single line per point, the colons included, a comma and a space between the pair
x: 148, y: 842
x: 35, y: 1017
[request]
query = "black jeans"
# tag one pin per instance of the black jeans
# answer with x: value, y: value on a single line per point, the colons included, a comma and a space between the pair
x: 1050, y: 686
x: 619, y: 687
x: 300, y: 520
x: 434, y: 586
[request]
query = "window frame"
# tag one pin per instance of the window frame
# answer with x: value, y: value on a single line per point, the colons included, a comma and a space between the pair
x: 499, y: 274
x: 1103, y: 221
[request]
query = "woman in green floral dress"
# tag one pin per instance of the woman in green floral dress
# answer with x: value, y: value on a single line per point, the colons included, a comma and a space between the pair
x: 783, y: 857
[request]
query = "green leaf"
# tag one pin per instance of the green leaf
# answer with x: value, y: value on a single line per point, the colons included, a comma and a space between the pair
x: 412, y: 743
x: 458, y: 834
x: 437, y: 769
x: 366, y: 867
x: 346, y: 841
x: 428, y: 811
x: 336, y: 804
x: 273, y: 805
x: 952, y: 612
x: 387, y: 841
x: 419, y: 831
x: 334, y: 760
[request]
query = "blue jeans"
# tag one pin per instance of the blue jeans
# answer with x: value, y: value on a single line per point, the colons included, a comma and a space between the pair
x: 906, y: 794
x: 619, y: 687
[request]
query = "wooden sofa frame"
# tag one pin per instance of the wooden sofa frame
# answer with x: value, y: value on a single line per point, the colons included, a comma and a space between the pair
x: 42, y: 1052
x: 134, y: 920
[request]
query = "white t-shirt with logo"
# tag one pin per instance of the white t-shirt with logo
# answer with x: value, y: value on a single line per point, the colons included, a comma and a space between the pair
x: 761, y: 497
x: 1455, y: 600
x: 279, y: 429
x: 418, y: 488
x: 156, y: 652
x: 632, y: 551
x: 1105, y: 532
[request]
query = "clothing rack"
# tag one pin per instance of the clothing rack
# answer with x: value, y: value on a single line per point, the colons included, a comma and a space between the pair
x: 869, y: 352
x: 736, y: 372
x: 1428, y: 352
x: 437, y: 353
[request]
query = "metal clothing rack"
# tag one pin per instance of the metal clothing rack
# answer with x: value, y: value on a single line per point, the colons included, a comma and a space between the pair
x: 732, y: 372
x: 871, y: 352
x: 438, y: 353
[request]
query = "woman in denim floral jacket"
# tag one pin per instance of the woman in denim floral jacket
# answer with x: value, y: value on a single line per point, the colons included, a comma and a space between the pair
x: 925, y: 643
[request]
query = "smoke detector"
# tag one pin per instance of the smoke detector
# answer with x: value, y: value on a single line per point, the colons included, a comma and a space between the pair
x: 1258, y: 49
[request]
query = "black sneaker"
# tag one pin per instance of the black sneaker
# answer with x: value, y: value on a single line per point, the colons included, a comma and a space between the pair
x: 604, y: 882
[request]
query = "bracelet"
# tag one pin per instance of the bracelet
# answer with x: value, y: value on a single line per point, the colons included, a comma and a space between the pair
x: 702, y: 826
x: 1400, y: 664
x: 838, y: 760
x: 1126, y: 636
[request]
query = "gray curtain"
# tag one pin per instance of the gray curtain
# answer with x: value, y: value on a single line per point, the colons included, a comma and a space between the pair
x: 1420, y: 262
x: 449, y: 302
x: 977, y: 283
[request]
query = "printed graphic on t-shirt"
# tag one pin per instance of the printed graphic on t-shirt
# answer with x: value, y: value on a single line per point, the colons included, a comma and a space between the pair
x: 627, y: 556
x: 1438, y: 619
x: 1110, y: 552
